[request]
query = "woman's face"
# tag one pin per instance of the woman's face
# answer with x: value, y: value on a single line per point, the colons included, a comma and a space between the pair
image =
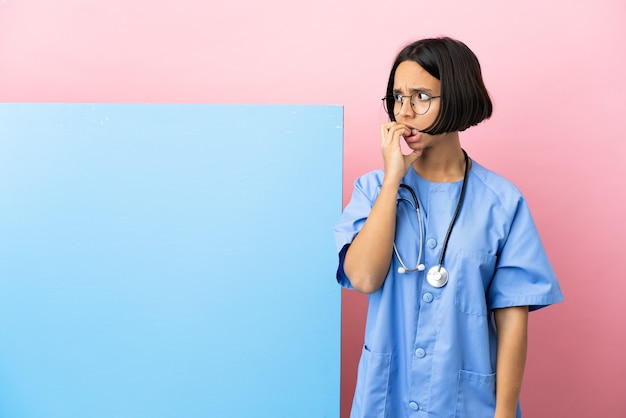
x: 412, y: 80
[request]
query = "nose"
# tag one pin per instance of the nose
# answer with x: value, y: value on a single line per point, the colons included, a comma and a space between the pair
x: 405, y: 107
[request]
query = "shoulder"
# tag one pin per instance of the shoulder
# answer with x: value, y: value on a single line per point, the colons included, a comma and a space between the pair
x: 492, y: 186
x: 370, y: 183
x: 492, y: 180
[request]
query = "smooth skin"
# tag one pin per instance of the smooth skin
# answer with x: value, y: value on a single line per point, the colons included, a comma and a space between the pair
x: 437, y: 158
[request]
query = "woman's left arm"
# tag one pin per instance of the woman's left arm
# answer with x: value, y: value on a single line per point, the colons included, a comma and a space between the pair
x: 512, y: 326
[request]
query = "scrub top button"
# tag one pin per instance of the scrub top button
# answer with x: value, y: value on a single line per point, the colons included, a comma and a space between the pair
x: 427, y: 297
x: 414, y: 406
x: 432, y: 243
x: 420, y: 353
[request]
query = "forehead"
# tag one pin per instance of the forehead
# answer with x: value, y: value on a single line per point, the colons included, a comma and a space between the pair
x: 411, y: 76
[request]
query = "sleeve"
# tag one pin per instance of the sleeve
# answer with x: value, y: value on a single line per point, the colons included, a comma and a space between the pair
x: 350, y: 223
x: 523, y: 274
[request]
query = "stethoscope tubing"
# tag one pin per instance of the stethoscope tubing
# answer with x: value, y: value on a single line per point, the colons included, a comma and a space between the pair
x: 416, y: 205
x: 456, y: 211
x: 419, y: 266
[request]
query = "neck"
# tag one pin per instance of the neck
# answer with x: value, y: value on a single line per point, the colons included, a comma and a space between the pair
x: 445, y: 163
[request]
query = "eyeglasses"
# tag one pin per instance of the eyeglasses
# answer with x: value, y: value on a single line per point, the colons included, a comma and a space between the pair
x: 420, y: 102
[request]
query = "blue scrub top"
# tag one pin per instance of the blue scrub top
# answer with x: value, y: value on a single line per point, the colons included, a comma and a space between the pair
x: 431, y: 352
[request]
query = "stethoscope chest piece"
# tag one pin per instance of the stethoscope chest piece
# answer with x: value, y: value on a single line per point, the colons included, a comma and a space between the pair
x: 437, y: 276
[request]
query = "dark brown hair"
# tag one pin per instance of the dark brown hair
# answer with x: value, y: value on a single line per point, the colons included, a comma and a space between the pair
x: 464, y: 98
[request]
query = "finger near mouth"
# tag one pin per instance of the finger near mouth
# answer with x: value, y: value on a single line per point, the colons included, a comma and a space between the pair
x: 412, y: 132
x: 413, y: 136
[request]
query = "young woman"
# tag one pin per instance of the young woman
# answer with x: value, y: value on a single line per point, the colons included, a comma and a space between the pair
x: 446, y: 249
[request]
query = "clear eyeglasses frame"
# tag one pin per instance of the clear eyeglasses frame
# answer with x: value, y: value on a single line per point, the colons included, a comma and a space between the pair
x: 420, y: 102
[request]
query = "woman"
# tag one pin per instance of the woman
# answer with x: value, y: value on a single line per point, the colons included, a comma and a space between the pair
x: 446, y: 249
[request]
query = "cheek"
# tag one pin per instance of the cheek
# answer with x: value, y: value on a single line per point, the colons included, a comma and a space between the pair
x: 428, y: 118
x: 435, y: 106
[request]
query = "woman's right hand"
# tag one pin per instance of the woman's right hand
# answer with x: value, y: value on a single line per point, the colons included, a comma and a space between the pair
x: 396, y: 163
x: 369, y: 256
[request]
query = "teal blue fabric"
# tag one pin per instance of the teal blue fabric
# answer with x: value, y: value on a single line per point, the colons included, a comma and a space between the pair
x: 432, y: 351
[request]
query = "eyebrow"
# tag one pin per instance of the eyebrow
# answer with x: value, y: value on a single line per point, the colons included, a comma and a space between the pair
x: 414, y: 90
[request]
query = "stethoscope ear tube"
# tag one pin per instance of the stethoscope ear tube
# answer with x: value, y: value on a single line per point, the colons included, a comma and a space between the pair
x: 419, y: 267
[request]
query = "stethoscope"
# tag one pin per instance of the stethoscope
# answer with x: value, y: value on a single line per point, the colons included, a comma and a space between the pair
x: 437, y: 276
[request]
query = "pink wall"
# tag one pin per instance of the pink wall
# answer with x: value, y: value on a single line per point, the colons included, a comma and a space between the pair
x: 555, y: 70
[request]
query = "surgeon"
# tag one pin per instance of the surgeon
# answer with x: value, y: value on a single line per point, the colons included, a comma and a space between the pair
x: 446, y: 249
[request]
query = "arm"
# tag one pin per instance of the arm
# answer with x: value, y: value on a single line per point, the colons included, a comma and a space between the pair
x: 512, y: 326
x: 369, y: 256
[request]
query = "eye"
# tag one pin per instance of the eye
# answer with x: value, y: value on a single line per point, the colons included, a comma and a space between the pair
x: 422, y: 97
x: 397, y: 98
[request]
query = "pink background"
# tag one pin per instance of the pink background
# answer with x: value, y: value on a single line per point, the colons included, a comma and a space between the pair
x: 555, y: 70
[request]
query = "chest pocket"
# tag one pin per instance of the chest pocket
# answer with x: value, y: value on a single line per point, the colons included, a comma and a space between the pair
x: 474, y: 272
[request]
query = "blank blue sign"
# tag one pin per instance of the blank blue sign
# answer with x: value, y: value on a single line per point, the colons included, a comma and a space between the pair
x: 169, y: 261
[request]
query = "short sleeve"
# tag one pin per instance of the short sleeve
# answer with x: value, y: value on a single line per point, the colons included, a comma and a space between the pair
x: 353, y: 218
x: 524, y: 275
